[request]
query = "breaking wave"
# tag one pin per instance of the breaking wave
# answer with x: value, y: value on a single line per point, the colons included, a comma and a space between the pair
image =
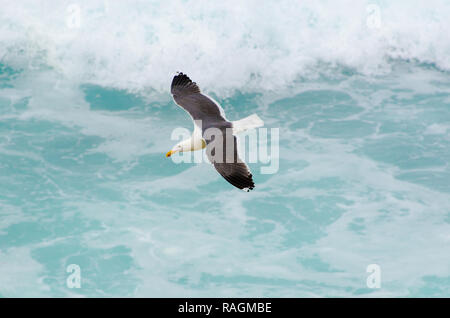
x: 138, y: 45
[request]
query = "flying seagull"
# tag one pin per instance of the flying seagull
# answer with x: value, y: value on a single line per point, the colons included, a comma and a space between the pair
x: 221, y: 145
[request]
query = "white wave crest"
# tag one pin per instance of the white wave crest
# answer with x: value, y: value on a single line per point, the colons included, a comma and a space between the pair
x: 226, y: 45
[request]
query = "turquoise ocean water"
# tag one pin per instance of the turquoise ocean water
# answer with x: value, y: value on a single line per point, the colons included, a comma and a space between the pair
x: 360, y: 94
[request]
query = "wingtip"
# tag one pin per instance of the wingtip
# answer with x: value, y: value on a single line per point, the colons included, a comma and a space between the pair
x: 182, y: 82
x: 250, y: 186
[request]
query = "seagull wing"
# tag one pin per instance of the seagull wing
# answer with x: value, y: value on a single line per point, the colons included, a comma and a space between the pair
x: 225, y: 158
x: 187, y: 95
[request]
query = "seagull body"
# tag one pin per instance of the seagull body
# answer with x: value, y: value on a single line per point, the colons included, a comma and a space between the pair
x: 209, y: 117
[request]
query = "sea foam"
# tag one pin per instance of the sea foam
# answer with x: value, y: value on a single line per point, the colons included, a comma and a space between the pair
x: 225, y: 46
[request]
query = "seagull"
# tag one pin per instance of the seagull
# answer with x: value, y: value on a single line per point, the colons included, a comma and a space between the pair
x: 221, y: 145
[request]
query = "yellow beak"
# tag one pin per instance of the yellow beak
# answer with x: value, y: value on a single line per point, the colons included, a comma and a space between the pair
x: 169, y: 153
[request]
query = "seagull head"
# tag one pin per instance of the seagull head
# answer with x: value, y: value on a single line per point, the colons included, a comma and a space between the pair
x: 190, y: 144
x: 175, y: 149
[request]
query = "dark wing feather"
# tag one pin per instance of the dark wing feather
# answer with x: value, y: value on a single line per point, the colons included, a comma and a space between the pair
x: 182, y: 85
x: 187, y: 95
x: 237, y: 174
x: 228, y: 163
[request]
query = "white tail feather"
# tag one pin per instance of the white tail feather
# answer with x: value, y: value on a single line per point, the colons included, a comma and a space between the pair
x: 250, y: 122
